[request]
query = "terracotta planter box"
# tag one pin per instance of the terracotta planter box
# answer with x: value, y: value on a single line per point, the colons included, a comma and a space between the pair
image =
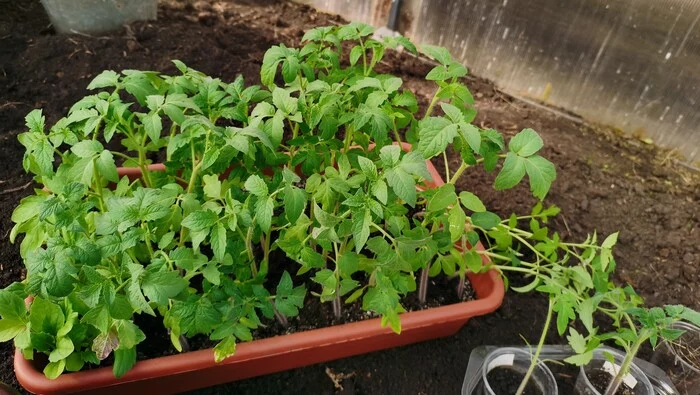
x: 197, y: 369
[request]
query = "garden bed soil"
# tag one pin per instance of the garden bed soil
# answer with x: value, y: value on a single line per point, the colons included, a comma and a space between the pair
x: 606, y: 182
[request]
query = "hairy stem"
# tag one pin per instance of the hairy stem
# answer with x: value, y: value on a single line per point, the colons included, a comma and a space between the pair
x: 536, y: 356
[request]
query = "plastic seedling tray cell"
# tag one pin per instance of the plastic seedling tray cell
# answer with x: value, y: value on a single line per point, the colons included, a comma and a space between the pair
x: 553, y: 356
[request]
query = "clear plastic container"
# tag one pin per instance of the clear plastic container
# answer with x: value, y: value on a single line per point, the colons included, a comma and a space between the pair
x: 636, y: 379
x: 517, y: 360
x: 553, y: 355
x: 97, y: 16
x: 674, y: 358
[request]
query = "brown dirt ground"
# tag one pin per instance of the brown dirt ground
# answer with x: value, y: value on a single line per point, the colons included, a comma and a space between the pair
x: 606, y: 181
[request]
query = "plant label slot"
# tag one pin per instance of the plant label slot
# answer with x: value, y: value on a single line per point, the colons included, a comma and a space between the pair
x: 614, y: 369
x: 501, y: 360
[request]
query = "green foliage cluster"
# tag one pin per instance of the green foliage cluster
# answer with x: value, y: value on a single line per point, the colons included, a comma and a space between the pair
x: 312, y: 164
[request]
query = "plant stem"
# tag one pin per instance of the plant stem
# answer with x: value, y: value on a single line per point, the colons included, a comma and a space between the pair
x: 423, y: 285
x: 337, y: 306
x: 536, y: 356
x: 457, y: 173
x: 626, y: 364
x: 447, y: 165
x: 432, y: 103
x: 281, y: 318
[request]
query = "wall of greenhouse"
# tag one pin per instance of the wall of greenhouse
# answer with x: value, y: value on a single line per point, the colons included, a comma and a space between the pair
x: 632, y: 64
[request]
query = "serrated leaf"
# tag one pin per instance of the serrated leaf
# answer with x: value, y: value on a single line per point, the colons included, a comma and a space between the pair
x: 200, y: 220
x: 218, y: 241
x: 255, y: 185
x: 525, y: 143
x: 264, y: 209
x: 87, y: 148
x: 361, y: 221
x: 403, y: 185
x: 153, y: 126
x: 212, y: 186
x: 541, y: 173
x: 512, y: 172
x: 434, y: 134
x: 294, y: 203
x: 104, y: 79
x: 159, y: 287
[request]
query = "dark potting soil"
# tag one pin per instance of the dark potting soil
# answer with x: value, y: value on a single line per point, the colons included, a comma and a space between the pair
x: 600, y: 381
x: 606, y: 181
x: 681, y: 362
x: 506, y: 381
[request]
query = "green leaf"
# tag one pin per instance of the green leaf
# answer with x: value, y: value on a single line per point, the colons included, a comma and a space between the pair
x: 212, y: 186
x: 294, y: 203
x: 104, y: 79
x: 512, y: 172
x: 87, y: 148
x: 525, y: 143
x: 45, y: 316
x: 434, y: 134
x: 225, y: 349
x: 129, y: 334
x: 355, y: 54
x: 368, y: 167
x: 361, y: 221
x: 541, y: 173
x: 255, y: 185
x: 54, y: 369
x: 402, y: 184
x: 159, y: 287
x: 200, y: 220
x: 414, y: 163
x: 98, y: 317
x: 472, y: 202
x: 136, y: 298
x: 444, y: 197
x: 390, y: 155
x: 580, y: 359
x: 106, y: 167
x: 576, y: 341
x: 471, y: 135
x: 264, y: 209
x: 610, y: 241
x: 440, y: 54
x: 64, y: 347
x: 153, y: 125
x: 10, y: 328
x: 35, y: 121
x: 486, y: 220
x: 456, y: 219
x: 124, y: 360
x: 218, y: 241
x: 12, y: 307
x: 212, y: 274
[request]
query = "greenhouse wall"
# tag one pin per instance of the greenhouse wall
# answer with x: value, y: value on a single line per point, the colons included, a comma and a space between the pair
x: 631, y: 64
